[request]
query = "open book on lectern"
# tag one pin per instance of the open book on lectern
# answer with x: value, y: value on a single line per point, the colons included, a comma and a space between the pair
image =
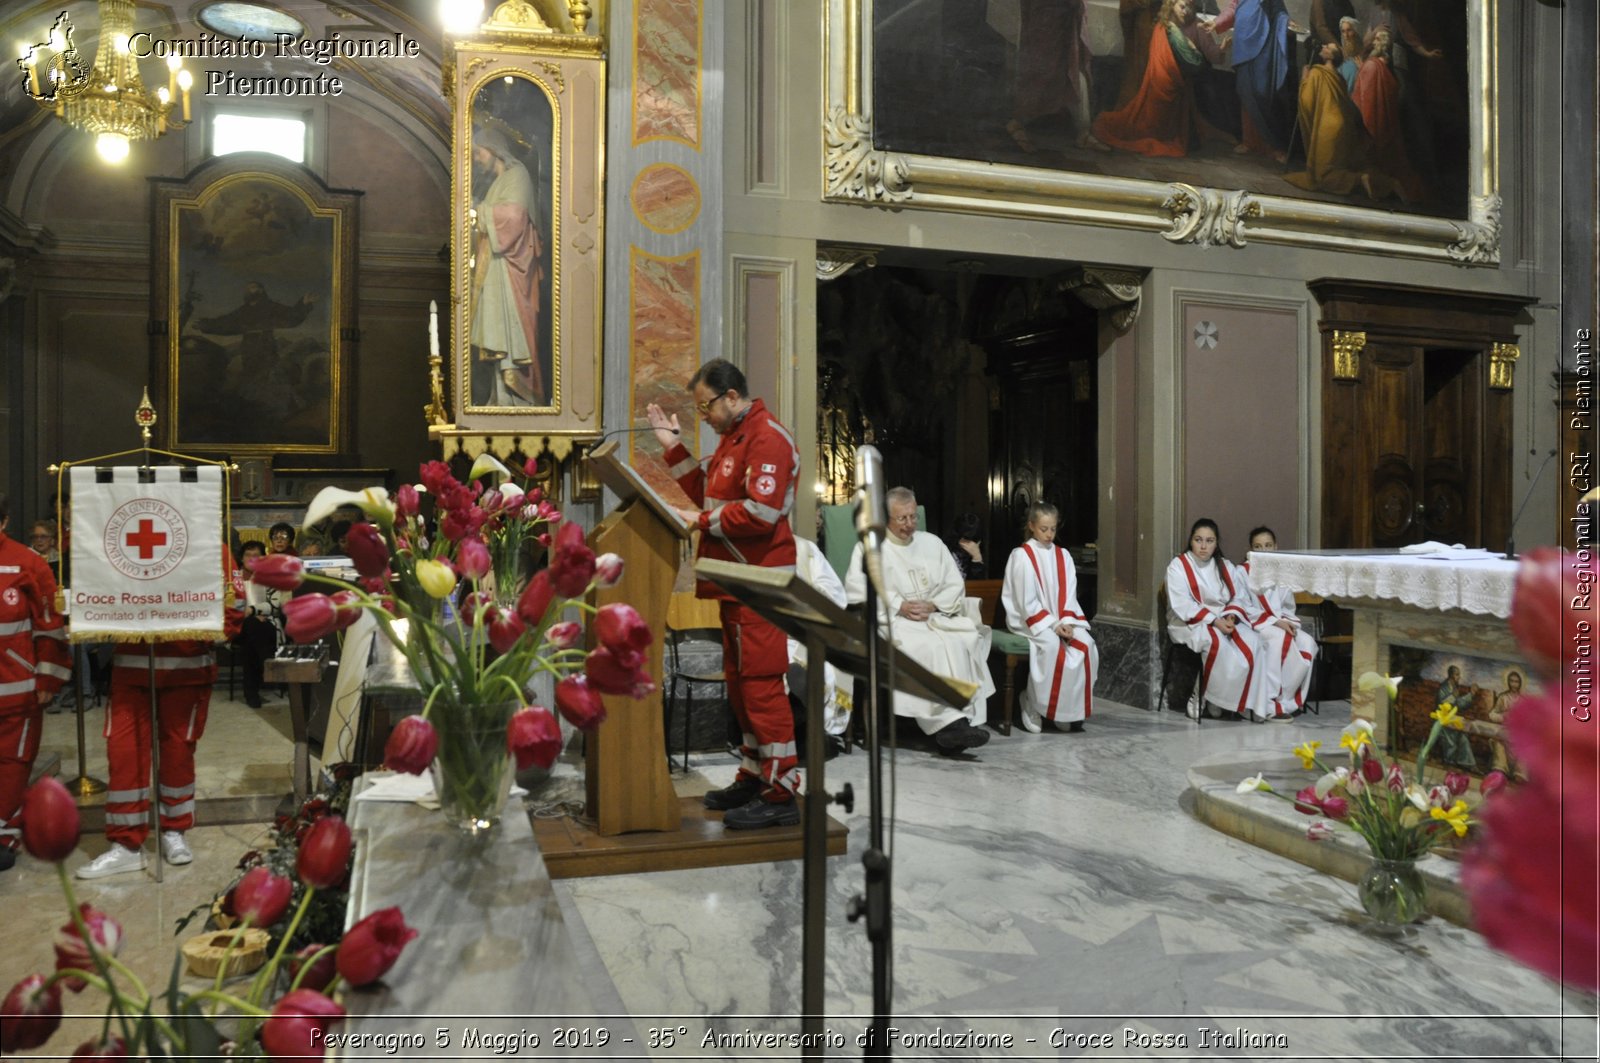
x: 625, y: 482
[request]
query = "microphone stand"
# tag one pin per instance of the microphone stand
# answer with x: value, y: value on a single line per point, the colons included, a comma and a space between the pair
x: 876, y: 904
x: 1511, y: 533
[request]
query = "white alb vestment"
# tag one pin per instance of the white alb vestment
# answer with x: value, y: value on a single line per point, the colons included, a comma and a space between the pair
x: 1198, y: 594
x: 1285, y: 656
x: 949, y: 642
x: 813, y: 567
x: 1040, y: 591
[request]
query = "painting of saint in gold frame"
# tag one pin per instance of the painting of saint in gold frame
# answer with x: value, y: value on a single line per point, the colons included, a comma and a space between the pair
x: 527, y: 233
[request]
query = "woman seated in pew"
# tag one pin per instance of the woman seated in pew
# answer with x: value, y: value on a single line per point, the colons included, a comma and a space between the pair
x: 1286, y: 650
x: 1040, y: 598
x: 1209, y: 611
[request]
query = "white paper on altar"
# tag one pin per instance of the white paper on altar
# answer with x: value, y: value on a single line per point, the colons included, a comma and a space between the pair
x: 146, y: 558
x: 407, y: 789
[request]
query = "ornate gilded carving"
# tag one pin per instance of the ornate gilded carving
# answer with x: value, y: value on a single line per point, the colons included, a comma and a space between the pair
x: 554, y: 70
x: 1119, y: 290
x: 1478, y: 238
x: 1347, y: 347
x: 1209, y: 216
x: 834, y: 262
x: 854, y: 169
x: 517, y: 16
x: 580, y: 12
x: 1502, y: 365
x: 477, y: 63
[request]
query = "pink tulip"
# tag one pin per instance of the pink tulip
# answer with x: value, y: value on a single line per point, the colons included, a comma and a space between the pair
x: 261, y: 897
x: 321, y: 971
x: 411, y: 746
x: 347, y: 605
x: 1554, y: 595
x: 298, y: 1025
x: 534, y: 737
x: 1457, y: 782
x: 371, y: 947
x: 1305, y: 802
x: 579, y: 703
x: 473, y: 559
x: 1355, y: 785
x: 505, y: 630
x: 621, y: 629
x: 1319, y: 831
x: 607, y: 570
x: 73, y: 954
x: 563, y: 636
x: 612, y: 673
x: 309, y: 617
x: 1372, y: 769
x: 113, y: 1048
x: 536, y: 599
x: 281, y: 572
x: 1336, y: 807
x: 530, y: 469
x: 572, y: 567
x: 407, y: 504
x: 29, y: 1014
x: 364, y: 543
x: 49, y: 820
x: 325, y: 853
x: 1492, y: 783
x: 1395, y: 779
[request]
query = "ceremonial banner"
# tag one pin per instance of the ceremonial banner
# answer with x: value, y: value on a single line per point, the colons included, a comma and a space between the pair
x: 146, y: 558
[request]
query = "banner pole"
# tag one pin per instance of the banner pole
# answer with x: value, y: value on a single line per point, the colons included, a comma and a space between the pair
x: 155, y: 758
x: 84, y: 785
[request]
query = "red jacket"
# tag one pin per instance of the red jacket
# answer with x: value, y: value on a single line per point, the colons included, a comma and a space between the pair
x: 34, y: 655
x: 178, y: 662
x: 747, y: 495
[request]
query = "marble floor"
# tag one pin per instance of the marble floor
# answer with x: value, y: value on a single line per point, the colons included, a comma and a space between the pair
x: 1054, y: 890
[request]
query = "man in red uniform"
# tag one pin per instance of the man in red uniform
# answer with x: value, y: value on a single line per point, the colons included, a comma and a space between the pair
x: 34, y: 663
x: 745, y: 493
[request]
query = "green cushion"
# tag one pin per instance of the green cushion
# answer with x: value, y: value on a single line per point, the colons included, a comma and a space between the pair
x: 1007, y: 642
x: 839, y: 534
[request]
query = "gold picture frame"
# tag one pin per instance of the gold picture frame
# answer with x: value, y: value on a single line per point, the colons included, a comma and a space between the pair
x: 253, y: 300
x: 527, y: 234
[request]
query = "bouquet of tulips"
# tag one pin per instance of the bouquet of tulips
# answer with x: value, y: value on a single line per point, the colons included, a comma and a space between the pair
x: 284, y: 1013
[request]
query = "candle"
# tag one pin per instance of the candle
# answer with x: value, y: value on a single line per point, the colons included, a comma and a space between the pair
x: 433, y: 328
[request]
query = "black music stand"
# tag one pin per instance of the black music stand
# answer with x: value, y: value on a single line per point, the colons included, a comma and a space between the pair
x: 832, y: 634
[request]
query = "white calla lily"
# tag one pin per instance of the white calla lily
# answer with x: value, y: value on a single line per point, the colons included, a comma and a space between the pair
x: 487, y: 463
x: 1418, y: 797
x: 1334, y: 778
x: 373, y: 501
x: 1377, y: 681
x: 1255, y: 782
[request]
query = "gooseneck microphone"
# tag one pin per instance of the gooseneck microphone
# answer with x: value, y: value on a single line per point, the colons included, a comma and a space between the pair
x: 871, y: 518
x: 1511, y: 533
x: 632, y: 431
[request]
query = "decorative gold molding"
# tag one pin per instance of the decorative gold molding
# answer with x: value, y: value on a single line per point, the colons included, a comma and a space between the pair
x: 517, y: 16
x: 1347, y: 348
x: 1209, y: 216
x: 854, y: 169
x: 834, y: 261
x: 1502, y: 365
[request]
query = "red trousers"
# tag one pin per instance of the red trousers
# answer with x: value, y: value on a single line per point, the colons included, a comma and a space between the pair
x: 755, y: 657
x: 182, y: 714
x: 19, y: 745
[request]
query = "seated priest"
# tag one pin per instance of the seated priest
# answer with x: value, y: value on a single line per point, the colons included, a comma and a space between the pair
x: 923, y: 597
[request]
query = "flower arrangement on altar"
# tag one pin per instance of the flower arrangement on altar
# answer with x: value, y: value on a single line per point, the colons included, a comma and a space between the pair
x: 440, y: 570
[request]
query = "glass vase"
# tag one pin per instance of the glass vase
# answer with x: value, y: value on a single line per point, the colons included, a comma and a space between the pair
x: 1392, y: 892
x: 473, y: 769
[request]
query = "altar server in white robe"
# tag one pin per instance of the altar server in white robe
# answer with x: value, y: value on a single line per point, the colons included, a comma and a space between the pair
x: 925, y: 596
x: 1286, y: 650
x: 1209, y: 611
x: 1040, y: 597
x: 812, y: 566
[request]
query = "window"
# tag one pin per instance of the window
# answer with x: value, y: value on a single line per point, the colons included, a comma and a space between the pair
x: 254, y: 132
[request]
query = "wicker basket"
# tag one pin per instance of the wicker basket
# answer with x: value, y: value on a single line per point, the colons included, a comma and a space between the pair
x: 205, y: 952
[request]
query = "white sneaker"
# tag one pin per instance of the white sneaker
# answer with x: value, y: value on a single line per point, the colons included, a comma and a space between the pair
x: 114, y: 861
x: 1032, y: 722
x: 1193, y: 708
x: 174, y: 848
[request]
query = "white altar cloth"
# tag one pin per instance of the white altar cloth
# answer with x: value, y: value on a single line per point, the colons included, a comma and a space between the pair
x: 1471, y: 580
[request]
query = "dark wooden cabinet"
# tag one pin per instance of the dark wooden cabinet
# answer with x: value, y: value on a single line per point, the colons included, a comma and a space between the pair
x: 1416, y: 414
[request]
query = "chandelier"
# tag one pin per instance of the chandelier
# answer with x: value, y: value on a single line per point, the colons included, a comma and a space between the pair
x: 110, y: 99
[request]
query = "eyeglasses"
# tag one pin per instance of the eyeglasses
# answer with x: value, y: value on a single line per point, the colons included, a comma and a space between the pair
x: 705, y: 407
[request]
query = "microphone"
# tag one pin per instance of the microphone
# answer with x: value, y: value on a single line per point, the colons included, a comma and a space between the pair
x: 631, y: 431
x: 1511, y: 534
x: 871, y: 518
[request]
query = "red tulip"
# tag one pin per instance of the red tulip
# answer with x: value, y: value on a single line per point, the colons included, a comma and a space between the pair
x: 365, y: 545
x: 73, y: 954
x: 29, y: 1014
x: 298, y: 1025
x: 411, y: 746
x: 579, y: 703
x: 572, y: 567
x: 309, y: 617
x: 534, y: 737
x: 1492, y: 783
x: 612, y: 673
x: 530, y: 469
x: 1555, y: 594
x: 348, y: 604
x: 1371, y: 769
x: 620, y: 628
x: 563, y: 636
x: 49, y: 820
x: 321, y: 971
x: 1336, y: 807
x: 261, y: 897
x: 406, y: 502
x: 114, y: 1048
x: 473, y: 559
x: 536, y: 599
x: 370, y: 948
x: 1306, y: 801
x: 505, y: 629
x: 607, y: 570
x: 1457, y: 782
x: 281, y: 572
x: 436, y: 477
x: 461, y: 523
x: 325, y: 853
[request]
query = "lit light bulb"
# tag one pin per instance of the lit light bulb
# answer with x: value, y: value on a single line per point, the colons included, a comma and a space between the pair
x: 112, y: 147
x: 121, y: 43
x: 185, y: 80
x: 173, y: 62
x: 163, y: 95
x: 460, y: 16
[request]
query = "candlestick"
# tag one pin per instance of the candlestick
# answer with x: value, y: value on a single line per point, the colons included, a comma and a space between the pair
x: 433, y: 328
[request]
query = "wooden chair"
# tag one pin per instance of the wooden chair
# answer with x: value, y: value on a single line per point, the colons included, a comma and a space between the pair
x: 686, y: 616
x: 1315, y: 617
x: 1010, y: 648
x: 1174, y: 649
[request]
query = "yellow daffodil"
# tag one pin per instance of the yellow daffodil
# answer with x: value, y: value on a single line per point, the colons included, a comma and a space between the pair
x: 487, y: 463
x: 373, y: 501
x: 1307, y: 752
x: 1455, y: 815
x: 1255, y: 782
x: 1355, y: 738
x: 1376, y: 681
x: 436, y: 577
x: 1447, y: 715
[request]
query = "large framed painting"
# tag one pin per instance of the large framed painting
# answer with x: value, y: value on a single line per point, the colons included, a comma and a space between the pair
x: 1363, y: 125
x: 254, y: 298
x: 527, y: 240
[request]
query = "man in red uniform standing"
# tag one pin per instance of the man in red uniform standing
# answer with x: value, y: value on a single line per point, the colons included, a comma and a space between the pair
x: 745, y: 493
x: 34, y: 663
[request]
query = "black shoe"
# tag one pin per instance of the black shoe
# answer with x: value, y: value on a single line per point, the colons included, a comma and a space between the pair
x: 762, y: 813
x: 8, y: 857
x: 958, y: 737
x: 1075, y: 727
x: 253, y: 700
x: 736, y: 796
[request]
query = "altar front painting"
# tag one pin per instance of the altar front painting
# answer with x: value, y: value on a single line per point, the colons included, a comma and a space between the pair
x: 1481, y: 690
x: 1240, y: 96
